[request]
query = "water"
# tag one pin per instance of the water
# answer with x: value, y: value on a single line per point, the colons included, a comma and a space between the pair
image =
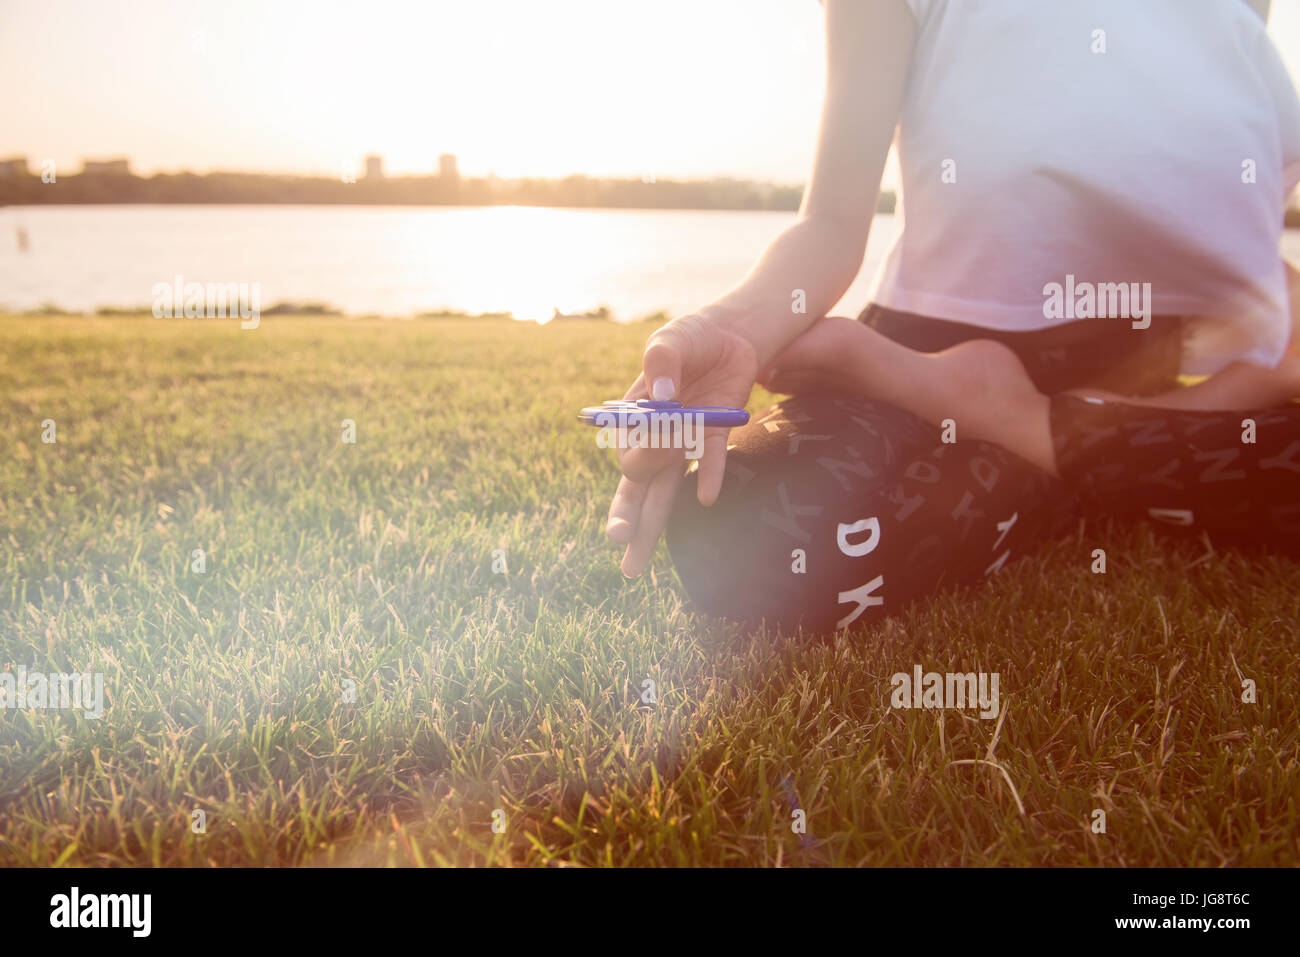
x: 395, y: 260
x: 399, y: 261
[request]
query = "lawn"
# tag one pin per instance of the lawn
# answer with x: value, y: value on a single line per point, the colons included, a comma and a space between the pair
x: 353, y: 678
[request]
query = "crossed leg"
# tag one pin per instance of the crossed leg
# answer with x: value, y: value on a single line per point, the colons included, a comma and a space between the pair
x: 982, y: 388
x: 844, y: 503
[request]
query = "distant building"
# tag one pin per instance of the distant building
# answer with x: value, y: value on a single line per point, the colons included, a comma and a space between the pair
x: 9, y: 168
x: 374, y: 167
x: 113, y: 166
x: 447, y: 168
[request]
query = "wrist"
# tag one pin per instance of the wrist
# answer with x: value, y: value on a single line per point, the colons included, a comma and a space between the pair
x: 768, y: 327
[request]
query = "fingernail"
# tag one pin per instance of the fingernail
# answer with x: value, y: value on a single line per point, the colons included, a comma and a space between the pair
x: 663, y: 389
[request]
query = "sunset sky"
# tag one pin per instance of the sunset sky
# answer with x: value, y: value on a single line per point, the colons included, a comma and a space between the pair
x: 674, y: 88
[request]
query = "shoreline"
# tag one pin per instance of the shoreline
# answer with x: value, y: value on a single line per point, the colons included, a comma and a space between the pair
x: 302, y: 311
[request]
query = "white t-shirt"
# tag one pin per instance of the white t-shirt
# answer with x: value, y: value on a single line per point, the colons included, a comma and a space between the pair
x: 1033, y: 161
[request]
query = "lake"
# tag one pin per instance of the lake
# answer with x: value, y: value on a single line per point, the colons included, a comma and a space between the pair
x: 398, y: 261
x: 394, y: 260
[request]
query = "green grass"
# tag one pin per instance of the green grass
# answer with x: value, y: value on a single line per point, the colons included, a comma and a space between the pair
x: 475, y: 691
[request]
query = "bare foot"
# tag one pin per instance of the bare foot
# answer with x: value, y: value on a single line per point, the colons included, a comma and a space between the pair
x: 1240, y: 386
x: 979, y: 387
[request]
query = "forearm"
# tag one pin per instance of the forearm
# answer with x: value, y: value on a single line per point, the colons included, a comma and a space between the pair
x: 810, y: 266
x: 801, y: 276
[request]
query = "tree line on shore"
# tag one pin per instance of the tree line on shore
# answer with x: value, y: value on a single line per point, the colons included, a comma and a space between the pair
x: 256, y: 188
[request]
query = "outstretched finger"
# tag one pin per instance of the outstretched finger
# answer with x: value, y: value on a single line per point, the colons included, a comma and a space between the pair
x: 624, y: 511
x: 655, y: 509
x: 713, y: 466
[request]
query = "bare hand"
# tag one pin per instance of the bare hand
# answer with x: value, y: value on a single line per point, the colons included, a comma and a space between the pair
x: 697, y: 361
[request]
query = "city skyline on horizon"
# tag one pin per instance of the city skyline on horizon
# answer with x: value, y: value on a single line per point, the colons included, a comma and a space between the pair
x: 361, y: 169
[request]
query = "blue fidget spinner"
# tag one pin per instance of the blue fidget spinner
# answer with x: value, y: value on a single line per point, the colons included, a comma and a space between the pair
x: 622, y: 413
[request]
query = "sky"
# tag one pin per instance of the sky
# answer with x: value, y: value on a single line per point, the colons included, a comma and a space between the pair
x: 672, y: 88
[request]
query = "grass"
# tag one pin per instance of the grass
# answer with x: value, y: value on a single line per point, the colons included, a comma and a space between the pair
x: 370, y: 566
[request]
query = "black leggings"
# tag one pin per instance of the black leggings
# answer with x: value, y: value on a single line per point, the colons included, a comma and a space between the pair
x: 837, y: 510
